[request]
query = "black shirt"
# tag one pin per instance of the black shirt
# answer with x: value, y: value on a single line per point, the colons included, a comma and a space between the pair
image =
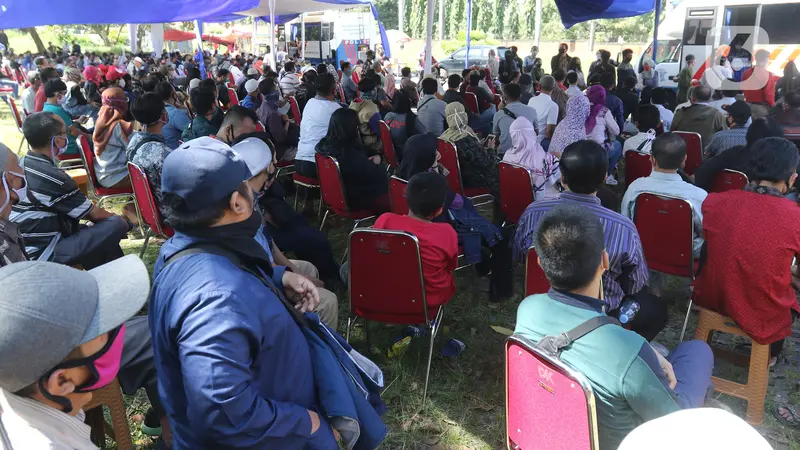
x: 630, y: 101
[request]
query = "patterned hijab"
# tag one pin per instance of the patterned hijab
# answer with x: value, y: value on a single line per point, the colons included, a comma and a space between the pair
x: 573, y: 127
x: 113, y: 112
x: 457, y: 123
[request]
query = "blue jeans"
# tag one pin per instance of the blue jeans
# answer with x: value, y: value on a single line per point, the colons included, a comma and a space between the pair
x: 692, y: 362
x: 485, y: 120
x: 614, y: 156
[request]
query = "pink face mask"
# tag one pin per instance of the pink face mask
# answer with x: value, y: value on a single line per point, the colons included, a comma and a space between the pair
x: 103, y: 365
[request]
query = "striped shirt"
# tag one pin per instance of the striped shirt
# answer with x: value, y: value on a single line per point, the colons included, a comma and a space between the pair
x: 57, y: 206
x: 627, y: 273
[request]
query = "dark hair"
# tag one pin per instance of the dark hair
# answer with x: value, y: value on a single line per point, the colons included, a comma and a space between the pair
x: 76, y: 93
x: 40, y: 128
x: 203, y: 100
x: 569, y: 241
x: 465, y: 74
x: 426, y: 193
x: 208, y: 83
x: 669, y: 150
x: 647, y: 117
x: 605, y: 55
x: 475, y: 77
x: 236, y: 116
x: 345, y: 65
x: 223, y: 72
x: 267, y: 86
x: 630, y: 83
x: 429, y: 86
x: 149, y: 83
x: 48, y: 73
x: 54, y: 86
x: 454, y: 81
x: 689, y: 58
x: 325, y: 83
x: 147, y: 108
x: 572, y: 78
x: 573, y: 64
x: 659, y: 96
x: 366, y: 84
x: 608, y: 80
x: 512, y: 91
x: 177, y: 215
x: 763, y: 127
x: 405, y: 71
x: 343, y: 127
x: 702, y: 93
x: 289, y: 67
x: 310, y: 76
x: 559, y: 74
x: 792, y: 99
x: 627, y: 51
x: 772, y: 159
x: 165, y: 91
x: 321, y: 68
x: 583, y: 166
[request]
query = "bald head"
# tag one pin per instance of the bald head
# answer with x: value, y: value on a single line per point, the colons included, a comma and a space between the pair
x: 701, y: 93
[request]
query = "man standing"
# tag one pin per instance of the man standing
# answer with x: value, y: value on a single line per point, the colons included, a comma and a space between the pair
x: 758, y: 85
x: 700, y: 117
x: 561, y: 60
x: 527, y: 65
x: 221, y: 80
x: 625, y: 69
x: 546, y: 110
x: 685, y: 79
x: 349, y: 86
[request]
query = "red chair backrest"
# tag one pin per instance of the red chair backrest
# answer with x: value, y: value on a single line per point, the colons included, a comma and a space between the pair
x: 388, y: 144
x: 397, y: 195
x: 234, y: 98
x: 450, y: 161
x: 15, y: 113
x: 497, y: 99
x: 259, y: 126
x: 694, y: 150
x: 637, y: 165
x: 356, y: 78
x: 728, y: 180
x: 295, y: 110
x: 386, y: 281
x: 331, y: 184
x: 535, y: 280
x: 88, y: 158
x: 516, y: 191
x: 472, y: 102
x: 666, y: 229
x: 548, y: 405
x: 341, y: 94
x: 231, y: 81
x: 146, y: 202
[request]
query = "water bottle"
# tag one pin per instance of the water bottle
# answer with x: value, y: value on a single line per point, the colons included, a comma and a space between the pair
x: 399, y: 347
x: 628, y: 311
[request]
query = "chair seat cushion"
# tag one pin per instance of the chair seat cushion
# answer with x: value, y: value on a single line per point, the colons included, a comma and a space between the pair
x: 305, y: 180
x: 474, y: 192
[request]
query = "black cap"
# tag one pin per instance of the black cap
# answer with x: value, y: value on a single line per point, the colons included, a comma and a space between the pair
x: 739, y: 110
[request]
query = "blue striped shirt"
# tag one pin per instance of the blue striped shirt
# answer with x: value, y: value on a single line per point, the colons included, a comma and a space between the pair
x: 627, y: 273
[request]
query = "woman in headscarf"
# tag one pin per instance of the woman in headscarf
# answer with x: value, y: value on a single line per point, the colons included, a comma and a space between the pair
x: 487, y: 80
x: 72, y: 77
x: 603, y: 129
x: 368, y: 116
x: 649, y: 76
x: 474, y: 231
x: 402, y: 122
x: 527, y: 152
x: 789, y: 82
x: 478, y: 167
x: 365, y: 183
x: 573, y: 127
x: 110, y: 138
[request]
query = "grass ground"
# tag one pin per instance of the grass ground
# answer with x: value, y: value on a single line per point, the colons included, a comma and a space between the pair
x: 466, y: 394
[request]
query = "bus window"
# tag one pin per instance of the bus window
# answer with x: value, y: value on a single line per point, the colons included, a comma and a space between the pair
x: 698, y: 25
x: 313, y: 32
x: 667, y: 51
x: 738, y: 20
x: 326, y: 31
x: 780, y: 23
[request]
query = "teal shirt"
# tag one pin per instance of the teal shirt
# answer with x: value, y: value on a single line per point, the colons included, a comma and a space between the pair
x: 72, y: 142
x: 622, y: 368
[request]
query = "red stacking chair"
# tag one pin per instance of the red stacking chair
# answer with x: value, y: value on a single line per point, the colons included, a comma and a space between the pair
x: 516, y: 190
x: 637, y: 165
x: 146, y: 208
x: 234, y: 98
x: 356, y: 78
x: 548, y: 404
x: 295, y: 110
x: 387, y: 284
x: 535, y: 280
x: 694, y: 150
x: 729, y: 180
x: 449, y: 160
x: 497, y: 100
x: 231, y: 81
x: 397, y: 195
x: 341, y: 93
x: 472, y: 102
x: 259, y: 126
x: 388, y: 145
x: 18, y: 118
x: 98, y: 193
x: 308, y: 183
x: 284, y: 168
x: 333, y: 195
x: 666, y: 229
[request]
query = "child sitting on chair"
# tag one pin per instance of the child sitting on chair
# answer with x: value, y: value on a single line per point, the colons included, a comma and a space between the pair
x: 438, y: 242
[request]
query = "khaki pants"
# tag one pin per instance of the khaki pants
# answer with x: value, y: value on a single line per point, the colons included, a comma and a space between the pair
x: 328, y: 309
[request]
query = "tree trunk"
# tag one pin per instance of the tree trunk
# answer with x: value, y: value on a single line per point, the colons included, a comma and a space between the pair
x: 37, y: 40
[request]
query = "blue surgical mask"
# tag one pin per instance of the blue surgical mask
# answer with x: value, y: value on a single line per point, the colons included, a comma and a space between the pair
x: 63, y: 100
x: 53, y: 146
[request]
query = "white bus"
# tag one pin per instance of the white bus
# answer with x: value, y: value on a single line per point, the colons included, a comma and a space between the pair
x: 706, y: 28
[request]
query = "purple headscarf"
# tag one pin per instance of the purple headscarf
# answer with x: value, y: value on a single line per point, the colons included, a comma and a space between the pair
x: 597, y: 97
x: 573, y: 127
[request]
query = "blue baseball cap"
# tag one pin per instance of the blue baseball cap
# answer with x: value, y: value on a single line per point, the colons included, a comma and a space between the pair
x: 203, y: 171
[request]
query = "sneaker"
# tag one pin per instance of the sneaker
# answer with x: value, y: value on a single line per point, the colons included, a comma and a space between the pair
x: 611, y: 181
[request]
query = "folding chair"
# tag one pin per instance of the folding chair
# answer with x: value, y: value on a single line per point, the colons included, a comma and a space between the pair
x: 397, y: 195
x: 388, y: 145
x: 729, y: 180
x: 333, y: 195
x: 694, y: 150
x: 666, y: 229
x: 516, y: 190
x: 295, y: 110
x: 308, y: 183
x: 535, y: 280
x: 548, y: 404
x: 231, y: 81
x: 18, y: 118
x: 387, y: 284
x: 99, y: 193
x: 637, y: 165
x: 110, y: 396
x: 449, y: 153
x: 472, y: 102
x: 233, y: 96
x: 146, y: 207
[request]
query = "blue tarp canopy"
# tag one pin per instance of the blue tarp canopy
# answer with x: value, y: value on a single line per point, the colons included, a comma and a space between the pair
x: 576, y: 11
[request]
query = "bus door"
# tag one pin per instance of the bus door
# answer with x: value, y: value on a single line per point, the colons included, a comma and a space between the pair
x: 738, y: 36
x: 698, y: 35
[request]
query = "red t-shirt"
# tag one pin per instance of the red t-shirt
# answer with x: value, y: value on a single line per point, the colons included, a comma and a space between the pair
x: 39, y: 99
x: 758, y: 86
x: 747, y: 274
x: 438, y: 248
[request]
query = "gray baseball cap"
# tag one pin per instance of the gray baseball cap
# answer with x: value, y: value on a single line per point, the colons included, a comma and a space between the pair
x: 50, y: 309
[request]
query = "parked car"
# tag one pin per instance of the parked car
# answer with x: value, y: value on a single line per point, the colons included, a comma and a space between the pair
x: 478, y: 56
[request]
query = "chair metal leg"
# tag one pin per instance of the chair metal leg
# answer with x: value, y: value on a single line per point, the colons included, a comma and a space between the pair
x: 686, y: 320
x: 147, y: 235
x: 435, y: 325
x: 21, y: 143
x: 350, y: 322
x: 322, y: 225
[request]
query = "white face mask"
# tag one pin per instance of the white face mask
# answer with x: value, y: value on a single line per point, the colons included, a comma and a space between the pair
x: 53, y: 146
x: 22, y: 193
x: 63, y: 100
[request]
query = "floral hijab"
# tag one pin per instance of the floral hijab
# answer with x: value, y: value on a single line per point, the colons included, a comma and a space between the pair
x: 573, y: 127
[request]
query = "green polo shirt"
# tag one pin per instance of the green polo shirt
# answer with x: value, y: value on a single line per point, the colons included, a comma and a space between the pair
x: 72, y: 142
x: 629, y: 385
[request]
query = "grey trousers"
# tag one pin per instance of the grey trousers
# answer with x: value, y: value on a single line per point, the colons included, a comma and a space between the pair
x: 94, y: 245
x: 137, y: 369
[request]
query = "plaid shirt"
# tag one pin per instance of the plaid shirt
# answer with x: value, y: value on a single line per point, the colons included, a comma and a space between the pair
x: 12, y: 249
x: 627, y: 273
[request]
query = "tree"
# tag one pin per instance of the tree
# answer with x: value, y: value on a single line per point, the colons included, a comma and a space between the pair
x: 103, y: 32
x: 37, y: 40
x: 387, y: 11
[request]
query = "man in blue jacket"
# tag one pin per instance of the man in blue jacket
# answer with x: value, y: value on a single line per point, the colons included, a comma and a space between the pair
x: 234, y: 367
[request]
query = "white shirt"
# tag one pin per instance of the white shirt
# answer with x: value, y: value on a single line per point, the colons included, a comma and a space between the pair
x: 314, y: 126
x: 28, y: 98
x: 573, y: 90
x: 672, y: 185
x: 724, y: 101
x: 34, y: 426
x: 633, y: 143
x: 546, y: 113
x: 605, y: 126
x: 238, y: 76
x: 714, y: 76
x: 667, y: 117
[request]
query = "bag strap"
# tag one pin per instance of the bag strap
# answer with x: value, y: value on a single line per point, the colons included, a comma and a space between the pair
x: 509, y: 113
x: 553, y: 345
x: 212, y: 249
x: 423, y: 103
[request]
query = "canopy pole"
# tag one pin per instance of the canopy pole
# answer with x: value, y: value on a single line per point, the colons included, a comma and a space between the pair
x: 441, y: 20
x: 132, y: 37
x: 303, y: 36
x: 198, y: 55
x: 273, y: 50
x: 591, y: 36
x: 537, y: 24
x: 253, y: 38
x: 428, y: 39
x: 655, y: 30
x: 401, y: 15
x: 469, y: 29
